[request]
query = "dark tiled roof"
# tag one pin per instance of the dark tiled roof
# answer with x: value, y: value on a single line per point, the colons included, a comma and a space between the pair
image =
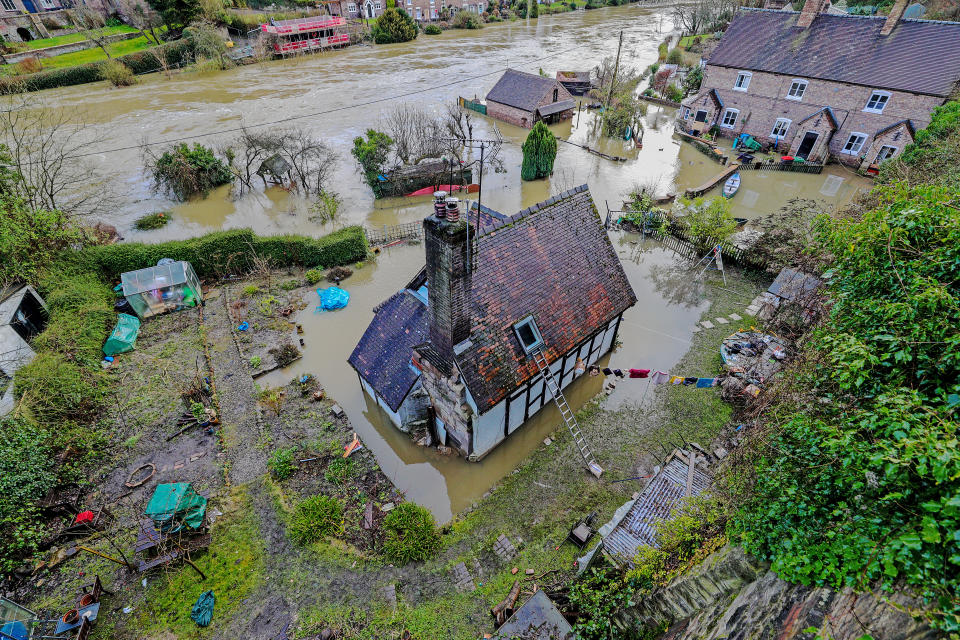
x: 521, y: 90
x: 487, y: 215
x: 654, y: 504
x: 556, y: 107
x: 791, y: 284
x: 909, y: 124
x: 382, y: 356
x: 918, y: 56
x: 553, y: 260
x: 830, y: 114
x: 537, y: 619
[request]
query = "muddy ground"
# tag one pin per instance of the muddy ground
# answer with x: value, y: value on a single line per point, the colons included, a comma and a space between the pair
x: 264, y: 581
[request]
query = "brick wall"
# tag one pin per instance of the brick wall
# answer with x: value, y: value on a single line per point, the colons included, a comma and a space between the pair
x: 527, y: 119
x: 898, y: 138
x: 765, y: 101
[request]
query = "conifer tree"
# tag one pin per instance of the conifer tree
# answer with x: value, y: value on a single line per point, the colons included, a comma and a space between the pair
x: 539, y: 152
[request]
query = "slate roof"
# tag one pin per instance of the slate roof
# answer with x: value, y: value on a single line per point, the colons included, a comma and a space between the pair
x: 791, y: 284
x: 918, y: 56
x: 556, y: 107
x: 521, y: 90
x: 555, y: 261
x: 654, y: 504
x: 382, y: 356
x: 537, y: 619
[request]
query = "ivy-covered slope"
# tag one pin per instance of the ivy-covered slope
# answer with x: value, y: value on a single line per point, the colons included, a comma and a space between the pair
x: 856, y: 479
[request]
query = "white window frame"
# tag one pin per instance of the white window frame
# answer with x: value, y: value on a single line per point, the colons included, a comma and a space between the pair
x: 877, y: 159
x: 352, y: 7
x: 47, y: 4
x: 746, y: 76
x: 686, y: 113
x: 785, y: 121
x: 876, y: 95
x: 856, y: 148
x: 530, y: 322
x: 736, y: 116
x: 378, y: 6
x: 801, y: 86
x: 8, y: 5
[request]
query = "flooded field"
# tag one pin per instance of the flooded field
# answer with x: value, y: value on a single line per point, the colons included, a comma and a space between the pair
x: 337, y: 96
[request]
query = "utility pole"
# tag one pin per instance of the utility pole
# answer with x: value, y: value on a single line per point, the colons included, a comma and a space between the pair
x: 613, y: 80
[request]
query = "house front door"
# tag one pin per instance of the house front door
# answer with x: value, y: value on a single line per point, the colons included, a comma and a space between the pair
x: 806, y: 145
x: 369, y: 9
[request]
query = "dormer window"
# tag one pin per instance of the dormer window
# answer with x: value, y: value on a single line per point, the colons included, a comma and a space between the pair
x: 743, y: 81
x: 797, y: 89
x: 878, y: 100
x: 528, y: 334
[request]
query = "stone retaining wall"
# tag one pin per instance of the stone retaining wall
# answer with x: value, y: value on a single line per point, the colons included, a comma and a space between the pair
x: 60, y: 49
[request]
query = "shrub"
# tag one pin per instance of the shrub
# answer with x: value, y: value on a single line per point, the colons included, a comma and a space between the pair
x: 255, y: 362
x: 117, y: 73
x: 411, y: 534
x: 250, y: 290
x: 316, y: 518
x: 152, y: 221
x: 186, y: 171
x: 432, y: 30
x: 371, y: 153
x: 394, y: 25
x: 222, y: 252
x: 675, y: 56
x: 314, y: 276
x: 539, y: 152
x: 285, y: 353
x: 28, y: 66
x: 673, y: 93
x: 280, y: 463
x: 30, y: 238
x: 339, y: 470
x: 467, y: 20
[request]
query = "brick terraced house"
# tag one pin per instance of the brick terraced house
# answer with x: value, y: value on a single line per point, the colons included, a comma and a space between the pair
x: 456, y: 346
x: 819, y: 85
x: 523, y: 99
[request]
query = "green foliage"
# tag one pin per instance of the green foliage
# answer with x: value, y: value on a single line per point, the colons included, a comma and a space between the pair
x: 410, y: 534
x: 932, y: 158
x: 117, y: 73
x: 693, y: 80
x: 186, y: 171
x: 673, y: 93
x: 280, y: 463
x: 709, y: 221
x: 152, y: 221
x: 675, y: 56
x: 26, y: 474
x: 177, y: 12
x: 316, y: 518
x: 864, y: 485
x: 255, y: 362
x: 339, y: 470
x: 372, y: 153
x: 174, y: 53
x: 29, y: 238
x: 250, y: 290
x: 314, y: 276
x: 600, y: 596
x: 533, y: 9
x: 326, y: 207
x: 467, y: 20
x: 222, y: 252
x: 432, y: 30
x: 539, y: 152
x: 394, y: 25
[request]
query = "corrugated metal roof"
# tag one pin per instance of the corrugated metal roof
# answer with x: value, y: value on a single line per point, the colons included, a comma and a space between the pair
x: 656, y: 501
x: 918, y: 56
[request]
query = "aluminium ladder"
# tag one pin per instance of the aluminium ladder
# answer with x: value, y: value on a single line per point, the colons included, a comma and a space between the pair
x: 550, y: 381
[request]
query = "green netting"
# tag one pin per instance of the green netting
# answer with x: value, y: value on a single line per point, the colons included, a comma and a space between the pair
x: 174, y: 505
x: 124, y: 336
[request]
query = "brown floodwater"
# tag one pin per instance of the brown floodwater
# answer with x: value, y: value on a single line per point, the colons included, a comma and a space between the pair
x: 338, y: 95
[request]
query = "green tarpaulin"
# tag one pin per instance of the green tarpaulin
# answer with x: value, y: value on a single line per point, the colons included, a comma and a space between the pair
x: 175, y: 505
x: 202, y: 611
x: 124, y: 335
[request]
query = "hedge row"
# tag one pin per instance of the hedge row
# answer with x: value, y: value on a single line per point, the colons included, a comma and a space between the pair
x: 175, y: 53
x: 224, y: 252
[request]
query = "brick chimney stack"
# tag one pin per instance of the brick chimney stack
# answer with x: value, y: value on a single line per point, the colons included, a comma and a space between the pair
x: 811, y: 9
x: 448, y: 278
x: 894, y: 18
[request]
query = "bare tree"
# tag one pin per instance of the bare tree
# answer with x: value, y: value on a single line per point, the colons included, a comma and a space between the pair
x: 696, y: 17
x: 415, y: 133
x: 311, y: 161
x: 93, y: 26
x: 45, y: 145
x: 139, y: 15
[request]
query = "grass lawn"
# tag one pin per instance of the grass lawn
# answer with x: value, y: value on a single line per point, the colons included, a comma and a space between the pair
x: 687, y: 40
x: 96, y: 53
x: 75, y: 37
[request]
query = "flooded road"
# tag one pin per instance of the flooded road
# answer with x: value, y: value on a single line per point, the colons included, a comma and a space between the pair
x: 337, y: 96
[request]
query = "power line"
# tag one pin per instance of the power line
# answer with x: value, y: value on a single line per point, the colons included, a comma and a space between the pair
x: 316, y: 113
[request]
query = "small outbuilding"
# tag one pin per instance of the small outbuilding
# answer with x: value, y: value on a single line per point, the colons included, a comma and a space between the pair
x: 537, y: 619
x: 576, y: 82
x: 23, y: 315
x: 523, y: 99
x: 169, y: 286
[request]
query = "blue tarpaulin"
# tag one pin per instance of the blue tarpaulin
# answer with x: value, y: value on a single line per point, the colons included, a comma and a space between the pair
x: 332, y: 298
x: 202, y: 611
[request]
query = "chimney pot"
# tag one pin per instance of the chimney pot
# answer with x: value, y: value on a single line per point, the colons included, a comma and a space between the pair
x: 439, y: 204
x: 453, y: 209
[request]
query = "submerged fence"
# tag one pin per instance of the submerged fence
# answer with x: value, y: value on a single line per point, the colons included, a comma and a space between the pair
x: 389, y: 233
x: 473, y: 105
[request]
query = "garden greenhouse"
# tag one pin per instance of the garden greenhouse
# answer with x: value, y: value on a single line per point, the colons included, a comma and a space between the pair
x: 169, y: 286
